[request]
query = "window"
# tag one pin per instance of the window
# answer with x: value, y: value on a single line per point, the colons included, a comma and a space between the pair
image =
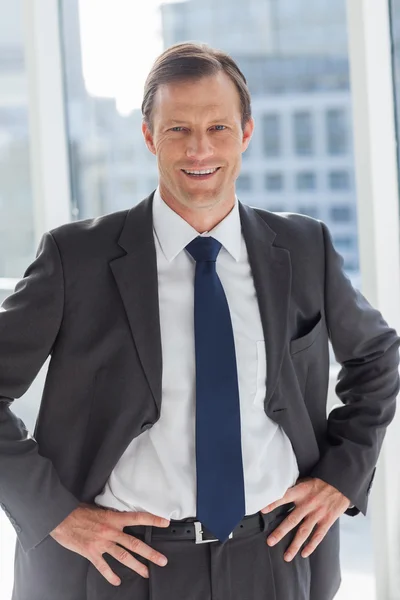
x: 336, y: 131
x: 243, y: 183
x: 311, y: 211
x: 351, y: 264
x: 274, y: 182
x: 343, y: 242
x: 17, y: 240
x: 341, y: 214
x: 271, y: 128
x: 303, y: 134
x: 306, y: 181
x: 339, y: 180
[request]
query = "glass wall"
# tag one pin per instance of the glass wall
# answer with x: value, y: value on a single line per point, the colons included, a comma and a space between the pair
x: 295, y: 60
x: 17, y: 244
x: 394, y: 6
x: 16, y: 206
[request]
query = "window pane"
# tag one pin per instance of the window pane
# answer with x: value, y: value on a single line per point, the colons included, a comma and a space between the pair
x: 341, y: 214
x: 311, y: 211
x: 336, y: 131
x: 343, y: 242
x: 271, y: 135
x: 243, y: 183
x: 274, y: 181
x: 306, y: 181
x: 303, y: 133
x: 16, y: 204
x: 339, y: 180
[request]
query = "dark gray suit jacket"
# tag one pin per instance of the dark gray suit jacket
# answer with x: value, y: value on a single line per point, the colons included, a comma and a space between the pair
x: 90, y: 300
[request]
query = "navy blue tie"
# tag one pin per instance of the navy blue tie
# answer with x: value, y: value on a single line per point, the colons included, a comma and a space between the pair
x: 219, y: 465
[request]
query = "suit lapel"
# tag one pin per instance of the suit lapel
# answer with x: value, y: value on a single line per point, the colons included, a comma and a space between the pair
x: 271, y: 269
x: 136, y: 277
x: 135, y: 274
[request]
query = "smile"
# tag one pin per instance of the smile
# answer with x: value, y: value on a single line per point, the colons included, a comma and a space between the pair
x: 203, y: 174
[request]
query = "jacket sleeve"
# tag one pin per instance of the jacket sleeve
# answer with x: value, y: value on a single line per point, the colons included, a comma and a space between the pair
x: 31, y: 493
x: 368, y: 383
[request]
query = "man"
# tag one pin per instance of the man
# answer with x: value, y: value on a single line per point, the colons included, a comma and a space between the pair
x: 184, y: 411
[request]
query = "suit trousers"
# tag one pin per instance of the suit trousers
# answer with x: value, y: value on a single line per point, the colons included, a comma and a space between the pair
x: 241, y: 568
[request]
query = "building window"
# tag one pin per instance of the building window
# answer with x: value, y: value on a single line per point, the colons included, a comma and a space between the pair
x: 306, y: 181
x: 274, y: 182
x: 243, y: 183
x: 271, y: 128
x: 311, y: 211
x: 343, y: 242
x: 303, y: 134
x: 339, y: 180
x: 336, y: 131
x: 341, y: 214
x: 351, y: 264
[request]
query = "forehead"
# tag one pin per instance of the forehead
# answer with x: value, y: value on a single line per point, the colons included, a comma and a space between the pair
x: 183, y: 98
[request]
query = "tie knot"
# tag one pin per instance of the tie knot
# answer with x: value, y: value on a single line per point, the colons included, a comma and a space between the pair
x: 204, y: 248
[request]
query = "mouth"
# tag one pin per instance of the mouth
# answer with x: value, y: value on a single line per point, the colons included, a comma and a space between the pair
x: 200, y: 174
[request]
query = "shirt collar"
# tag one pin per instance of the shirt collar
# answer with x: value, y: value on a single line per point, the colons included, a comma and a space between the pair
x: 174, y: 233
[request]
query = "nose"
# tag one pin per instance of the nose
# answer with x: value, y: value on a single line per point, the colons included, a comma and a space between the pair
x: 199, y: 147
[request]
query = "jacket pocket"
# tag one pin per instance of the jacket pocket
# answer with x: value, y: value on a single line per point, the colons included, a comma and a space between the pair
x: 303, y: 342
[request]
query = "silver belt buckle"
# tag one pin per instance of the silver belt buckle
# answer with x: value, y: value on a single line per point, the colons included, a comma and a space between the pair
x: 199, y: 534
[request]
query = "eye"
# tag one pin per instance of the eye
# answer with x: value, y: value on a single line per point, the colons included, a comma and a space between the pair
x: 176, y: 128
x: 224, y: 127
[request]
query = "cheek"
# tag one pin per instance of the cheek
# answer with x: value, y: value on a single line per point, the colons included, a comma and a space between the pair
x: 168, y: 153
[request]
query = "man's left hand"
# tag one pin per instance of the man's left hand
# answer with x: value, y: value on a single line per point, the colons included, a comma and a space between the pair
x: 316, y: 504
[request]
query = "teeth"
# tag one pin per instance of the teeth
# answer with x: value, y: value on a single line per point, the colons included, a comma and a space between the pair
x: 200, y: 172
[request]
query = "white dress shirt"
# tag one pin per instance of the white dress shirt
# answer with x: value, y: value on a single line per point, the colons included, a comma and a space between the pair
x: 157, y: 471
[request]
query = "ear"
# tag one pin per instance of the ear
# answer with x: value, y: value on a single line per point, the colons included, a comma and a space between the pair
x: 148, y: 138
x: 247, y: 133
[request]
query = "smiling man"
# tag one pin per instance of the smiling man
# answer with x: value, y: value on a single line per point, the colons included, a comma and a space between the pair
x: 197, y: 130
x: 182, y: 450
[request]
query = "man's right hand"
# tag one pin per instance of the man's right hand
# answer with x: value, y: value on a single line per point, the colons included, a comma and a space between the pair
x: 91, y: 531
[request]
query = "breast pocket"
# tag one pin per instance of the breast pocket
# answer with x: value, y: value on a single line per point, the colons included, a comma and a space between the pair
x: 261, y: 374
x: 307, y: 340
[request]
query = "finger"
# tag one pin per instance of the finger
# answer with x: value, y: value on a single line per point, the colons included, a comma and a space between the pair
x: 301, y: 536
x: 291, y: 521
x: 315, y: 540
x: 139, y: 547
x: 290, y: 496
x: 144, y: 518
x: 106, y: 571
x: 276, y: 504
x: 124, y: 557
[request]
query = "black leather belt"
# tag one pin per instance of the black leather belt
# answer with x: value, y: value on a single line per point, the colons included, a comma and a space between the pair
x: 194, y: 530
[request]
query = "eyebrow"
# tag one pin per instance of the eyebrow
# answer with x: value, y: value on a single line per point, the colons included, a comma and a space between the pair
x: 182, y: 120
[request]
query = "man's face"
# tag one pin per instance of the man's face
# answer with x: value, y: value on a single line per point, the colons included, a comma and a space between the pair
x: 197, y: 126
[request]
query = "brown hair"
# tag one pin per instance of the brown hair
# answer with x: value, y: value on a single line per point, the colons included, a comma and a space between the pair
x: 189, y: 60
